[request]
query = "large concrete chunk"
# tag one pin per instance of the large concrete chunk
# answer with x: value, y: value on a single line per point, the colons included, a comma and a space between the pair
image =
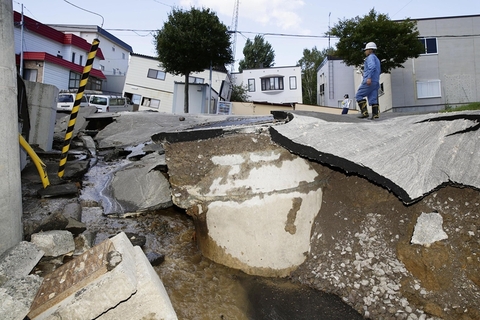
x: 84, y: 288
x: 17, y: 295
x: 54, y: 243
x: 429, y: 229
x: 409, y: 155
x: 141, y: 187
x: 19, y: 260
x: 113, y: 280
x: 151, y: 300
x: 17, y: 288
x: 242, y: 188
x: 129, y: 188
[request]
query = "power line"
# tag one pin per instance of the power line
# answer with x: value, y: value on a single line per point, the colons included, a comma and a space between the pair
x: 103, y: 20
x: 241, y: 32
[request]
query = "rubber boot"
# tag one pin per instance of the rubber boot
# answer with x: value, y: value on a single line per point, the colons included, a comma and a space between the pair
x: 375, y: 111
x: 362, y: 104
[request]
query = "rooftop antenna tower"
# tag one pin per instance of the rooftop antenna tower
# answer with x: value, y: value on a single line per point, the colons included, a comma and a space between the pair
x: 233, y: 28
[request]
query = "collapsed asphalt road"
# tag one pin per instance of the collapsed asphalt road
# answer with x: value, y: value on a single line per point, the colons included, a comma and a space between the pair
x: 361, y: 247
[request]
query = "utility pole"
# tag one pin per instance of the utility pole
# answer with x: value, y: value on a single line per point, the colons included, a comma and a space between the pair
x: 21, y: 44
x: 329, y: 31
x: 234, y: 26
x: 11, y: 230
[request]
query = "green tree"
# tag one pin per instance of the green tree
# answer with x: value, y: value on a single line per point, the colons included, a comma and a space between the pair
x: 397, y: 41
x: 309, y: 63
x: 239, y: 93
x: 257, y: 54
x: 192, y: 41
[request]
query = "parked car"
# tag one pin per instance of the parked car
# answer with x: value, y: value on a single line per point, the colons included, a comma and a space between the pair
x: 66, y: 100
x: 106, y: 103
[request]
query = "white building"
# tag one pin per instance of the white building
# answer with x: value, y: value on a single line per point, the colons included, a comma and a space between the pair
x: 49, y: 56
x: 276, y: 85
x: 150, y: 87
x: 334, y: 80
x: 116, y: 53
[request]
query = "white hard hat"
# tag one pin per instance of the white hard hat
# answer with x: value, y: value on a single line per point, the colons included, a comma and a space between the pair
x: 370, y: 45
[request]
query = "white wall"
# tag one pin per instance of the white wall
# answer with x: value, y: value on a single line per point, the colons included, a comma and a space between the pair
x: 287, y: 95
x: 36, y: 43
x: 338, y: 80
x: 56, y: 75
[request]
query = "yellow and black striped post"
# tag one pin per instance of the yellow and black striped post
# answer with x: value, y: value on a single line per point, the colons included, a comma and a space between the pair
x: 76, y: 106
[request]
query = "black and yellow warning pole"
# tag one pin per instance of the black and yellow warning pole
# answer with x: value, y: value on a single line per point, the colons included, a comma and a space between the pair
x: 76, y: 106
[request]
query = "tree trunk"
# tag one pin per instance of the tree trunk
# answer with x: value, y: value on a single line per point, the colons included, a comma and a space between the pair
x: 185, y: 102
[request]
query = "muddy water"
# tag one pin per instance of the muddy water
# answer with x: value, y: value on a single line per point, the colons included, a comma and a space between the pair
x: 198, y: 287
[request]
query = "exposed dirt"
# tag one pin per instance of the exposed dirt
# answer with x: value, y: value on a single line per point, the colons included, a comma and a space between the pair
x: 362, y: 251
x: 361, y: 246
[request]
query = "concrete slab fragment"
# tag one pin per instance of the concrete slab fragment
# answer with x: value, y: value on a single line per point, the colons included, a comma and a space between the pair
x: 54, y: 243
x: 86, y: 287
x: 17, y: 295
x: 429, y: 229
x: 151, y: 300
x: 19, y: 260
x: 140, y: 187
x: 64, y: 189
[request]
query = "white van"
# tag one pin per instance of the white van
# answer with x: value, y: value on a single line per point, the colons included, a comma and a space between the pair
x: 66, y: 101
x: 106, y: 103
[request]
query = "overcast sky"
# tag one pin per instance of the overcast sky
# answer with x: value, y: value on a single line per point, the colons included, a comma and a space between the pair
x: 289, y: 25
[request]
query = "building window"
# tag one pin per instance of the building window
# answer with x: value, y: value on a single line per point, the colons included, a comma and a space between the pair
x: 293, y: 83
x: 156, y: 74
x: 80, y: 61
x: 151, y: 103
x: 73, y: 57
x: 113, y: 49
x: 30, y: 74
x: 94, y: 84
x: 136, y: 98
x: 251, y: 85
x: 430, y: 45
x: 274, y: 83
x: 74, y: 80
x: 102, y: 67
x: 114, y: 71
x: 428, y: 89
x: 154, y: 103
x: 381, y: 91
x: 123, y: 55
x: 321, y: 89
x: 195, y: 80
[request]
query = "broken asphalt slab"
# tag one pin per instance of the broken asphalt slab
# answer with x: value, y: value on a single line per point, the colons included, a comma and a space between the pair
x: 135, y: 128
x: 409, y: 155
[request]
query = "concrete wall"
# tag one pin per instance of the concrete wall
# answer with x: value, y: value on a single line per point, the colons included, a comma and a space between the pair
x: 250, y: 108
x: 42, y: 106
